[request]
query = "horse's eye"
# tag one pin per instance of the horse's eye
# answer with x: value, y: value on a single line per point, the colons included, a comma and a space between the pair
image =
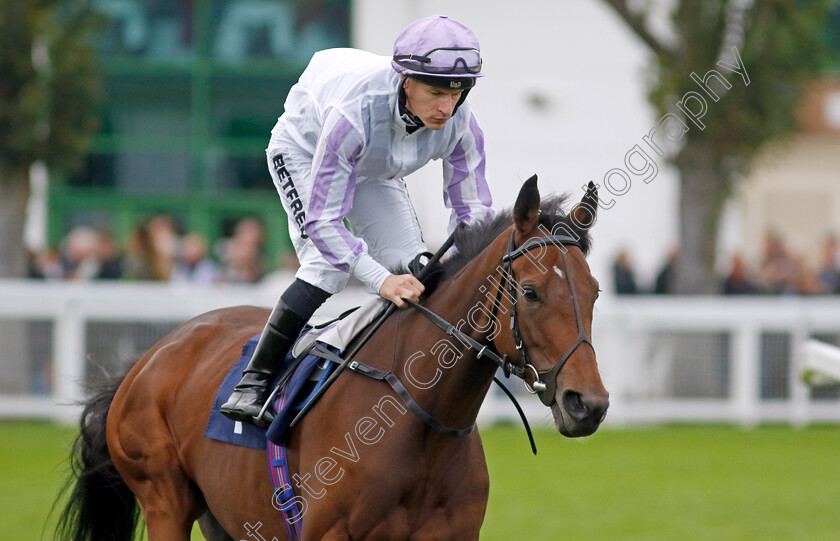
x: 530, y: 294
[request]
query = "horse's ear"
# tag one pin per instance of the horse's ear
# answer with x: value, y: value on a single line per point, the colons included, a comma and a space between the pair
x: 584, y: 213
x: 526, y: 211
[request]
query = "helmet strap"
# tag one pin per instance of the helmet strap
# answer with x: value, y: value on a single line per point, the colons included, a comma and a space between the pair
x: 462, y: 100
x: 412, y: 121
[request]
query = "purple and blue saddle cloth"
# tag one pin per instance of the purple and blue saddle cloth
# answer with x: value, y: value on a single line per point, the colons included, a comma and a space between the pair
x: 296, y: 391
x: 306, y: 379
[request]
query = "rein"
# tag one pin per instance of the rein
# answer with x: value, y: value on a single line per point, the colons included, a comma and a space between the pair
x: 343, y: 363
x: 545, y: 390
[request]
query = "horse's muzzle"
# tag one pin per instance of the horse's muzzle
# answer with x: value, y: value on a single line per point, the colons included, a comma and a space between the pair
x: 580, y: 413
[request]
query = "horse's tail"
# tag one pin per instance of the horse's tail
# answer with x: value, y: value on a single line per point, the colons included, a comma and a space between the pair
x: 100, y: 505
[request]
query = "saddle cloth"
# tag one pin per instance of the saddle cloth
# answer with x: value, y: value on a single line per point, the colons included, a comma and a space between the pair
x: 309, y: 375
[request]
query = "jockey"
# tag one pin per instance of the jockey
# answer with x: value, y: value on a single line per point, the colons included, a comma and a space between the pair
x: 354, y: 125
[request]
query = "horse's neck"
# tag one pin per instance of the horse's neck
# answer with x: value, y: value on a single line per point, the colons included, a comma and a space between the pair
x: 457, y: 395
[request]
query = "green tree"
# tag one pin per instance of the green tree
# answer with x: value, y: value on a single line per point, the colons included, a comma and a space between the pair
x: 782, y: 44
x: 48, y: 87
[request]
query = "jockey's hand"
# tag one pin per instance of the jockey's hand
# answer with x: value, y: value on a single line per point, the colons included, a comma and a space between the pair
x: 401, y: 286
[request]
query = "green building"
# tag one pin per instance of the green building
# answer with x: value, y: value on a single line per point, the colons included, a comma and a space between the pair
x: 191, y: 90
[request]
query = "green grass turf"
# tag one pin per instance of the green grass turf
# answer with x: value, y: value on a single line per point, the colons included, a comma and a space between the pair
x: 676, y: 483
x: 32, y: 469
x: 686, y: 483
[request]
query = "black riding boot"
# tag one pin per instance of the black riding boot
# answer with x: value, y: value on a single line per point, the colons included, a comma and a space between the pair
x: 250, y: 393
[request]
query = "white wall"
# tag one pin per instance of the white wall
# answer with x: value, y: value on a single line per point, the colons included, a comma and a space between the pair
x: 794, y: 190
x: 578, y: 59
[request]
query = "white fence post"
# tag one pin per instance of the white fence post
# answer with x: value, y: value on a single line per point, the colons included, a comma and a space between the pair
x: 798, y: 391
x: 746, y: 374
x: 69, y: 359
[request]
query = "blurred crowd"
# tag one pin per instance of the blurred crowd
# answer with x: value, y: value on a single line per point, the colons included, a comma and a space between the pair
x: 155, y: 251
x: 780, y: 271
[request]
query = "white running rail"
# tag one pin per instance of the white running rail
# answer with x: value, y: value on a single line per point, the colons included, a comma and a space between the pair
x: 663, y: 359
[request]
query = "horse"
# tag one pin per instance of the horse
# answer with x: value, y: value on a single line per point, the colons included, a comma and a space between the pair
x: 363, y: 467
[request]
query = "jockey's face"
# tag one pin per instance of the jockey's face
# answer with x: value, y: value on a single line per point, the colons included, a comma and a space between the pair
x: 433, y: 105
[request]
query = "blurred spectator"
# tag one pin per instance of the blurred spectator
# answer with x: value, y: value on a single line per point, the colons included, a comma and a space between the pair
x: 806, y: 281
x: 779, y: 272
x: 151, y: 250
x: 624, y: 278
x: 666, y: 277
x: 193, y: 265
x: 46, y: 265
x: 81, y: 254
x: 250, y: 231
x: 86, y: 254
x: 165, y: 238
x: 110, y: 259
x: 241, y: 254
x: 829, y: 265
x: 738, y: 282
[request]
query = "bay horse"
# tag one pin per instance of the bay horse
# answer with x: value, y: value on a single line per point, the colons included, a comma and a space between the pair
x: 363, y: 467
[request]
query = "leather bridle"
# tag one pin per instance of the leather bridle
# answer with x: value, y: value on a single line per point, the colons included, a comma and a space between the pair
x: 545, y: 381
x: 545, y: 389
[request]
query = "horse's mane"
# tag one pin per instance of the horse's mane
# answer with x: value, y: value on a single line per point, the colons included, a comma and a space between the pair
x: 471, y: 240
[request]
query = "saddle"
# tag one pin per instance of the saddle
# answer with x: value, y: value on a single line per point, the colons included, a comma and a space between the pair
x: 301, y: 374
x: 339, y: 332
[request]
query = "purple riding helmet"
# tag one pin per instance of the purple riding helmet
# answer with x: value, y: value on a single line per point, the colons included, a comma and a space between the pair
x: 438, y: 51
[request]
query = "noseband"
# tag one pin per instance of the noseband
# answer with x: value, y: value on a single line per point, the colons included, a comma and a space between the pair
x: 545, y: 381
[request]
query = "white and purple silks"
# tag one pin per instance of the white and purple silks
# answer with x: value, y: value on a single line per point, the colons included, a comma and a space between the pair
x: 341, y: 150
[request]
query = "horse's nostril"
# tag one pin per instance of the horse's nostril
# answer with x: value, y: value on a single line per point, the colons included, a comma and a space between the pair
x: 574, y: 405
x: 581, y: 408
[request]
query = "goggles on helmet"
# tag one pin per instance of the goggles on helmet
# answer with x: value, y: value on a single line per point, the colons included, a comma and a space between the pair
x: 444, y: 61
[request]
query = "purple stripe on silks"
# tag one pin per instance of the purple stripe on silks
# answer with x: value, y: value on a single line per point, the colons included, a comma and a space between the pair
x: 347, y: 204
x: 325, y: 173
x: 482, y: 188
x: 354, y: 244
x: 324, y: 248
x: 322, y: 184
x: 459, y: 165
